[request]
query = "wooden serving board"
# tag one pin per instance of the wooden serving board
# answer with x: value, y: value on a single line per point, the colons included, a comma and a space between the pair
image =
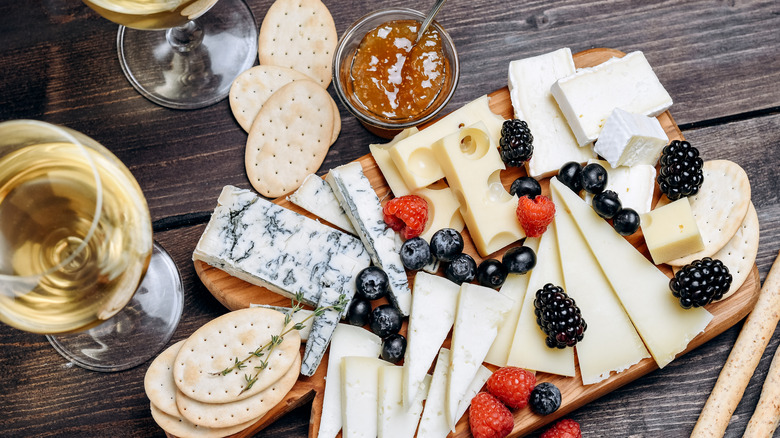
x: 237, y: 294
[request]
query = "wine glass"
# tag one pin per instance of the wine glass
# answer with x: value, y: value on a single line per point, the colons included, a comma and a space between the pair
x: 75, y: 243
x: 191, y: 64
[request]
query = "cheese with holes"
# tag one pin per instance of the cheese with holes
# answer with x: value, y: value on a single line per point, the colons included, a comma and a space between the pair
x: 316, y: 197
x: 629, y: 139
x: 634, y: 185
x: 395, y: 420
x: 610, y: 343
x: 413, y: 156
x: 671, y: 231
x: 514, y: 287
x: 472, y: 165
x: 381, y: 154
x: 554, y: 143
x: 643, y: 290
x: 273, y: 247
x: 360, y: 396
x: 528, y: 346
x: 589, y: 96
x: 479, y: 311
x: 360, y: 202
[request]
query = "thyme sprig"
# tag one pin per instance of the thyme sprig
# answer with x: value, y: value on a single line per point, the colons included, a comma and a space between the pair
x: 276, y: 340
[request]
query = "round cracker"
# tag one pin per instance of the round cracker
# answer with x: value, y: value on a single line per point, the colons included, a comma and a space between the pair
x: 289, y: 138
x: 719, y: 207
x: 158, y: 380
x: 241, y: 411
x: 253, y: 87
x: 336, y: 122
x: 178, y: 426
x: 214, y: 347
x: 299, y: 34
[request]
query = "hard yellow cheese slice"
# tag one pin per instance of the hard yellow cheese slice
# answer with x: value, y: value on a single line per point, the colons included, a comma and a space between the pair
x: 643, y: 290
x: 610, y: 342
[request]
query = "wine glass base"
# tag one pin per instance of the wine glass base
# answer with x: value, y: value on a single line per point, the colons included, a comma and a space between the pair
x: 139, y: 331
x: 198, y: 75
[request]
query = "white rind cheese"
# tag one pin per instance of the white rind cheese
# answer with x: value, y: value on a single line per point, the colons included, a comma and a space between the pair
x: 629, y: 139
x: 360, y: 396
x: 480, y: 310
x: 590, y: 95
x: 360, y: 202
x: 297, y: 318
x: 611, y: 343
x: 316, y: 197
x: 643, y: 290
x: 395, y: 420
x: 347, y: 340
x: 433, y: 312
x: 270, y: 246
x: 554, y: 143
x: 634, y: 185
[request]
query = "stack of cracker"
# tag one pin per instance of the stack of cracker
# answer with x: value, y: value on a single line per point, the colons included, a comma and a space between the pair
x: 191, y: 398
x: 282, y: 103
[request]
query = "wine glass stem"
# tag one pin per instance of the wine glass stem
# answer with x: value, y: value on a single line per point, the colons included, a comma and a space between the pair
x: 186, y: 37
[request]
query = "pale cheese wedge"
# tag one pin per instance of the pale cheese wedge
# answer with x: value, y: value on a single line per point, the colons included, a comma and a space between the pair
x: 610, y: 342
x: 395, y: 420
x: 528, y: 347
x: 480, y: 310
x: 643, y: 290
x: 360, y: 395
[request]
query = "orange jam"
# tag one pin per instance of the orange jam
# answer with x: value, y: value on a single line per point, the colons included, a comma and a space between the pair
x: 395, y: 78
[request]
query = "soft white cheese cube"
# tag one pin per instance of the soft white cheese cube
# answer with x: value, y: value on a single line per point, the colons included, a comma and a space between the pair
x: 634, y: 185
x: 588, y: 96
x: 628, y: 139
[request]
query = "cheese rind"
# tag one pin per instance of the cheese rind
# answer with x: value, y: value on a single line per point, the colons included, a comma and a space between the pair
x: 629, y: 139
x: 671, y: 231
x: 554, y: 143
x: 643, y: 290
x: 589, y: 96
x: 360, y: 202
x: 472, y: 164
x: 360, y: 396
x: 634, y: 185
x: 413, y: 155
x: 395, y: 420
x: 316, y: 197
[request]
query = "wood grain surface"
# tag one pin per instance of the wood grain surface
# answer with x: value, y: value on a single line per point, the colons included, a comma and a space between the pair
x: 719, y: 60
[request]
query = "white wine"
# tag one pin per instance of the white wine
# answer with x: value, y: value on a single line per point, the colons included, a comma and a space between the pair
x: 150, y: 14
x: 60, y: 269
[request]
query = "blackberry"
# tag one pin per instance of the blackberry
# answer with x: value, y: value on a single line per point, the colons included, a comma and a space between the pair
x: 516, y: 142
x: 545, y: 398
x: 701, y: 282
x: 559, y: 317
x: 681, y: 173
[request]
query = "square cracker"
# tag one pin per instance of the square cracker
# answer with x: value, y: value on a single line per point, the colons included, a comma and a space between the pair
x: 299, y: 34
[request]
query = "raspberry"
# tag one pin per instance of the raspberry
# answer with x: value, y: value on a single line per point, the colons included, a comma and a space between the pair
x: 407, y: 215
x: 535, y: 215
x: 563, y: 429
x: 489, y: 418
x: 512, y: 385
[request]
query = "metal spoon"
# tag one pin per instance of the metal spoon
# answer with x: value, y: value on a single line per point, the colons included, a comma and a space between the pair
x: 429, y: 18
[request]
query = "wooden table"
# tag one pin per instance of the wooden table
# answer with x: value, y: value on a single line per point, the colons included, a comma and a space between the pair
x: 720, y: 61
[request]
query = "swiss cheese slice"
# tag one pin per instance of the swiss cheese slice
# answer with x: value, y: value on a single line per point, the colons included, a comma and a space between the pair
x: 610, y: 342
x: 643, y: 290
x: 528, y: 347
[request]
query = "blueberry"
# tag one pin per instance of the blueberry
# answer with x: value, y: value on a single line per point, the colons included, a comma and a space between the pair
x: 415, y: 253
x: 393, y: 348
x: 491, y: 273
x: 545, y: 398
x: 525, y: 186
x: 571, y: 176
x: 626, y: 222
x: 385, y: 320
x: 446, y: 244
x: 461, y: 269
x: 358, y: 311
x: 372, y: 283
x: 607, y: 204
x: 594, y: 178
x: 519, y: 260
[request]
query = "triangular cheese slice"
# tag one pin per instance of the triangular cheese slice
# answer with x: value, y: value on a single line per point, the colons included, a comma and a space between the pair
x: 643, y: 290
x: 610, y: 342
x: 528, y: 347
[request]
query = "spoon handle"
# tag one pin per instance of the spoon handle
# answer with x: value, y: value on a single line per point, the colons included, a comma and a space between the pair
x: 429, y: 18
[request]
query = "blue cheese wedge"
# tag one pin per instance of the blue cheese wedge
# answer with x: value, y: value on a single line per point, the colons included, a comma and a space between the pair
x: 270, y: 246
x: 322, y: 328
x: 316, y: 197
x: 360, y: 202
